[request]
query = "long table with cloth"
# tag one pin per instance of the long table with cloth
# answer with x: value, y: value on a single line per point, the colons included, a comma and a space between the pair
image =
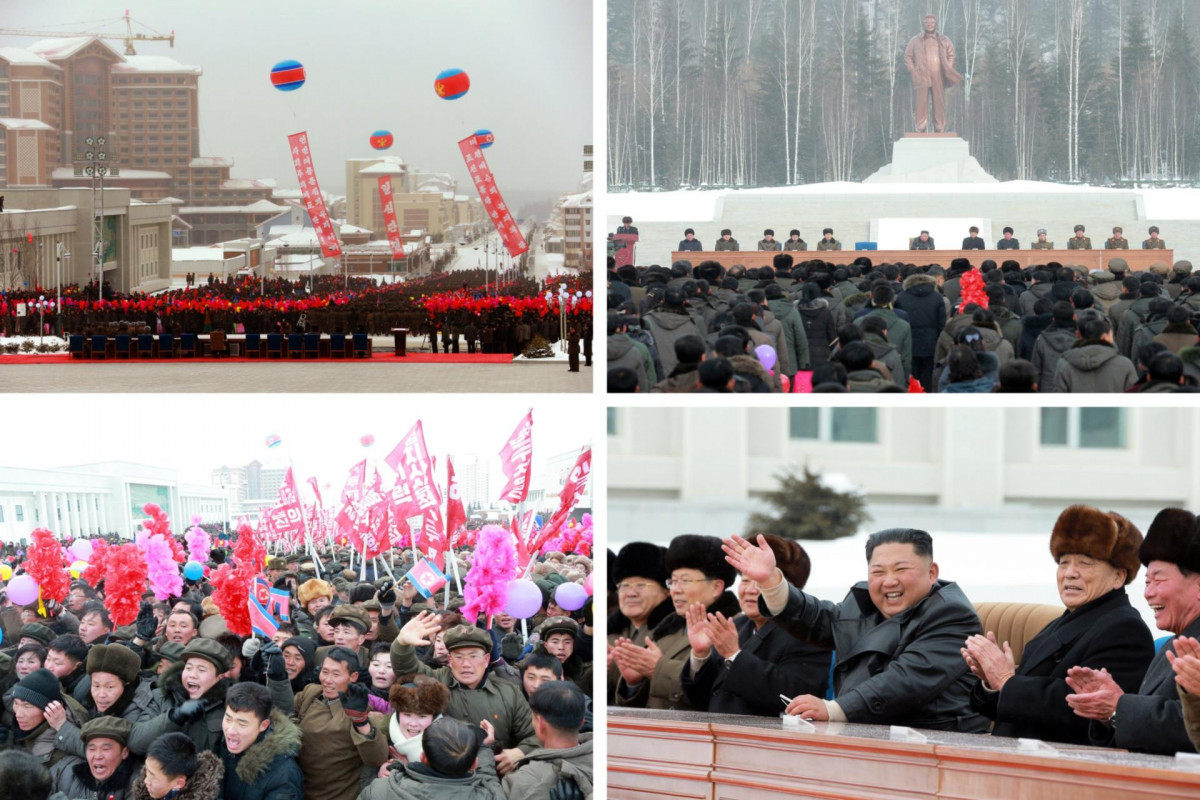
x: 1091, y: 259
x: 655, y: 754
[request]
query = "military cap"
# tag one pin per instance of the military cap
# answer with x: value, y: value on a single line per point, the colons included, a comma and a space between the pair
x: 36, y: 630
x: 172, y: 651
x: 351, y: 614
x: 467, y: 636
x: 106, y: 727
x: 1118, y: 265
x: 1154, y: 229
x: 1079, y: 228
x: 1041, y: 232
x: 557, y: 625
x: 211, y: 651
x: 275, y: 562
x: 1183, y: 267
x: 1118, y: 229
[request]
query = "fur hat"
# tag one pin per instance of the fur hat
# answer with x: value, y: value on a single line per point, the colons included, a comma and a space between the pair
x: 419, y: 694
x: 1105, y: 535
x: 791, y: 559
x: 115, y: 659
x: 275, y: 562
x: 703, y: 553
x: 726, y: 232
x: 641, y: 560
x: 1174, y: 536
x: 312, y: 589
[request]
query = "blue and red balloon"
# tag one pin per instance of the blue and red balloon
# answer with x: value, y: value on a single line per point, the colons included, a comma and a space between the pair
x: 287, y: 76
x: 382, y: 140
x: 485, y: 138
x: 451, y: 84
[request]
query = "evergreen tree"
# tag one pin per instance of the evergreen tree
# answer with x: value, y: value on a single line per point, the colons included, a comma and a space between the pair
x: 805, y: 508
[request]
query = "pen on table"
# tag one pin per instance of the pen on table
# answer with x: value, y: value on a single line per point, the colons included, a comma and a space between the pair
x: 786, y: 700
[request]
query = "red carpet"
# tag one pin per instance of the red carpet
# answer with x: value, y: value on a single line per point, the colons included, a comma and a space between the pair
x: 379, y: 357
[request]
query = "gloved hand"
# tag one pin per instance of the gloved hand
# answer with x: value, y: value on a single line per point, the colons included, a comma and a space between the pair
x: 566, y: 789
x: 511, y: 647
x: 250, y: 647
x: 147, y: 623
x: 276, y: 670
x: 354, y: 703
x: 186, y: 712
x: 387, y: 594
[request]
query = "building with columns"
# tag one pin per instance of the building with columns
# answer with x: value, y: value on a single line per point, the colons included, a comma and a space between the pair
x: 96, y: 499
x: 1004, y: 470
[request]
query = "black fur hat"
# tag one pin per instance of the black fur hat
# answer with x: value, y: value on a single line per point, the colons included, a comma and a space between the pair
x: 1174, y: 536
x: 704, y: 553
x: 641, y: 560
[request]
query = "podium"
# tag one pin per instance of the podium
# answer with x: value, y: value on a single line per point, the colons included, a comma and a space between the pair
x: 622, y: 247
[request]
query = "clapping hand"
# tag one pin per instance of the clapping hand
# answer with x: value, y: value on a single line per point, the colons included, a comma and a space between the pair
x: 697, y: 631
x: 1186, y: 663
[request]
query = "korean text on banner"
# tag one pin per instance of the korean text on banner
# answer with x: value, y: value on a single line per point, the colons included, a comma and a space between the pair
x: 489, y: 195
x: 517, y: 461
x: 314, y: 204
x: 389, y: 216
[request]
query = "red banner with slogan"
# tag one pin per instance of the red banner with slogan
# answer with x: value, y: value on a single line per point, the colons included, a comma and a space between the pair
x: 416, y: 492
x: 496, y: 208
x: 389, y: 216
x: 456, y: 515
x: 287, y: 517
x: 572, y: 493
x: 517, y: 460
x: 314, y: 204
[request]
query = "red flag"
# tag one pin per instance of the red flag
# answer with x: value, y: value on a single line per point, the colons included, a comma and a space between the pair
x: 517, y: 458
x: 489, y: 195
x: 287, y: 517
x: 456, y: 515
x: 389, y: 216
x: 316, y: 490
x: 573, y: 490
x: 355, y: 481
x: 416, y: 491
x: 355, y: 518
x: 314, y: 203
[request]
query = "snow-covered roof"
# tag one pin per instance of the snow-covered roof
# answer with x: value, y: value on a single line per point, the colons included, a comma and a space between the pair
x: 178, y: 220
x: 14, y: 124
x: 197, y: 254
x: 210, y: 161
x: 248, y: 183
x: 18, y: 57
x: 67, y: 173
x: 348, y: 228
x: 54, y: 49
x: 582, y: 200
x: 172, y: 200
x: 258, y: 207
x: 388, y: 165
x: 155, y: 64
x: 461, y: 198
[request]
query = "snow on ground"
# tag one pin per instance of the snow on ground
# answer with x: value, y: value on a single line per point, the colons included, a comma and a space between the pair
x: 50, y: 340
x: 1010, y: 567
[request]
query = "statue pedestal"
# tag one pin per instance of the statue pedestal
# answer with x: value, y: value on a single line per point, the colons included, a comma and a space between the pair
x: 931, y: 158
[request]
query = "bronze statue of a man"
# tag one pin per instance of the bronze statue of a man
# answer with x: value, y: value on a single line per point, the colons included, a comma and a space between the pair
x: 930, y: 60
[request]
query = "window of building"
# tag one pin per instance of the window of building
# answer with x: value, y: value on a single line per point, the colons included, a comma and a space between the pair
x: 843, y: 425
x: 1083, y: 427
x: 19, y: 511
x: 612, y: 422
x: 1, y: 513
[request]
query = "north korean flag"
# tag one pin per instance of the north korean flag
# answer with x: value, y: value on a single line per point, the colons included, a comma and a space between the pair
x: 261, y: 621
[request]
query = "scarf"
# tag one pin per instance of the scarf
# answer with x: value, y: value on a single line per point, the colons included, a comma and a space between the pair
x: 409, y: 747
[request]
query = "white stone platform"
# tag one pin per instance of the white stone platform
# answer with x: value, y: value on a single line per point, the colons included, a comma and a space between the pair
x: 935, y: 158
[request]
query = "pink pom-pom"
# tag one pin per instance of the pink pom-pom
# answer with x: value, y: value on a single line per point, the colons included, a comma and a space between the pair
x: 161, y: 567
x: 495, y: 565
x: 199, y: 544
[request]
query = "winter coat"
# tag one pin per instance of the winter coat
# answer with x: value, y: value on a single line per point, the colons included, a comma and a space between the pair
x: 646, y: 340
x: 793, y: 332
x: 420, y: 782
x: 205, y: 732
x: 948, y: 336
x: 41, y: 741
x: 1107, y: 290
x: 1177, y: 336
x: 770, y: 663
x: 620, y: 627
x: 774, y: 244
x: 625, y: 352
x: 756, y: 373
x: 819, y: 329
x: 994, y: 342
x: 926, y: 312
x: 500, y: 702
x: 886, y: 354
x: 773, y: 328
x: 989, y: 365
x: 684, y: 379
x: 973, y: 243
x: 692, y: 246
x: 332, y: 753
x: 205, y: 783
x: 1146, y: 333
x: 267, y: 769
x: 799, y: 244
x: 980, y: 385
x: 867, y: 380
x: 722, y: 245
x: 1191, y: 363
x: 664, y: 689
x: 1105, y: 633
x: 1010, y: 325
x: 539, y: 772
x: 1031, y: 329
x: 1152, y: 720
x: 1094, y: 365
x: 133, y: 706
x: 667, y: 325
x: 899, y: 333
x: 1028, y: 299
x: 73, y: 779
x: 904, y: 670
x: 1054, y: 341
x: 1133, y: 319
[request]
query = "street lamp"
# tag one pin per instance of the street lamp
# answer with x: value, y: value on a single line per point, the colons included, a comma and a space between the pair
x: 58, y: 257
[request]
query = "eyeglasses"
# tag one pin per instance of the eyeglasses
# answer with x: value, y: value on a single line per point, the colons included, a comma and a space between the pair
x: 468, y: 654
x: 636, y: 587
x: 684, y: 583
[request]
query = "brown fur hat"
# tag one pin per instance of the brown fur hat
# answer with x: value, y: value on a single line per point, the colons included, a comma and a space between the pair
x: 1105, y: 535
x: 1174, y: 536
x: 791, y: 559
x: 311, y: 589
x: 419, y: 694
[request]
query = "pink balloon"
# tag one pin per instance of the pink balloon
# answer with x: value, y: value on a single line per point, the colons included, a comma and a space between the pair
x: 82, y: 549
x: 22, y: 590
x: 767, y: 355
x: 587, y: 583
x: 524, y: 599
x: 570, y: 596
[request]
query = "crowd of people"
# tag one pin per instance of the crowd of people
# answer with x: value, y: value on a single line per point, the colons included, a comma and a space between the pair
x: 803, y: 325
x: 907, y: 647
x: 444, y: 307
x: 371, y: 690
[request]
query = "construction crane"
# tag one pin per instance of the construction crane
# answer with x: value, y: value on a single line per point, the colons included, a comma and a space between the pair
x: 129, y: 36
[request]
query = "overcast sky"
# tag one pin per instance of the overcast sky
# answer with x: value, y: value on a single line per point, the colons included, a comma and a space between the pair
x: 370, y: 65
x: 320, y: 433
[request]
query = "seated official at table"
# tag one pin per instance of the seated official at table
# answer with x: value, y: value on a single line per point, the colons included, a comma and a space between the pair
x: 1096, y: 553
x: 897, y: 635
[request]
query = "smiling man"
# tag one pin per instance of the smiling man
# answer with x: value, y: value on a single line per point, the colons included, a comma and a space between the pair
x: 190, y: 698
x: 1152, y: 719
x: 259, y: 748
x: 898, y: 634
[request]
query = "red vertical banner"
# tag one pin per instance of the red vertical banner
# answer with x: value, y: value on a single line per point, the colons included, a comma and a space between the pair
x: 456, y: 515
x: 389, y: 216
x: 516, y: 459
x: 314, y: 204
x: 489, y: 194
